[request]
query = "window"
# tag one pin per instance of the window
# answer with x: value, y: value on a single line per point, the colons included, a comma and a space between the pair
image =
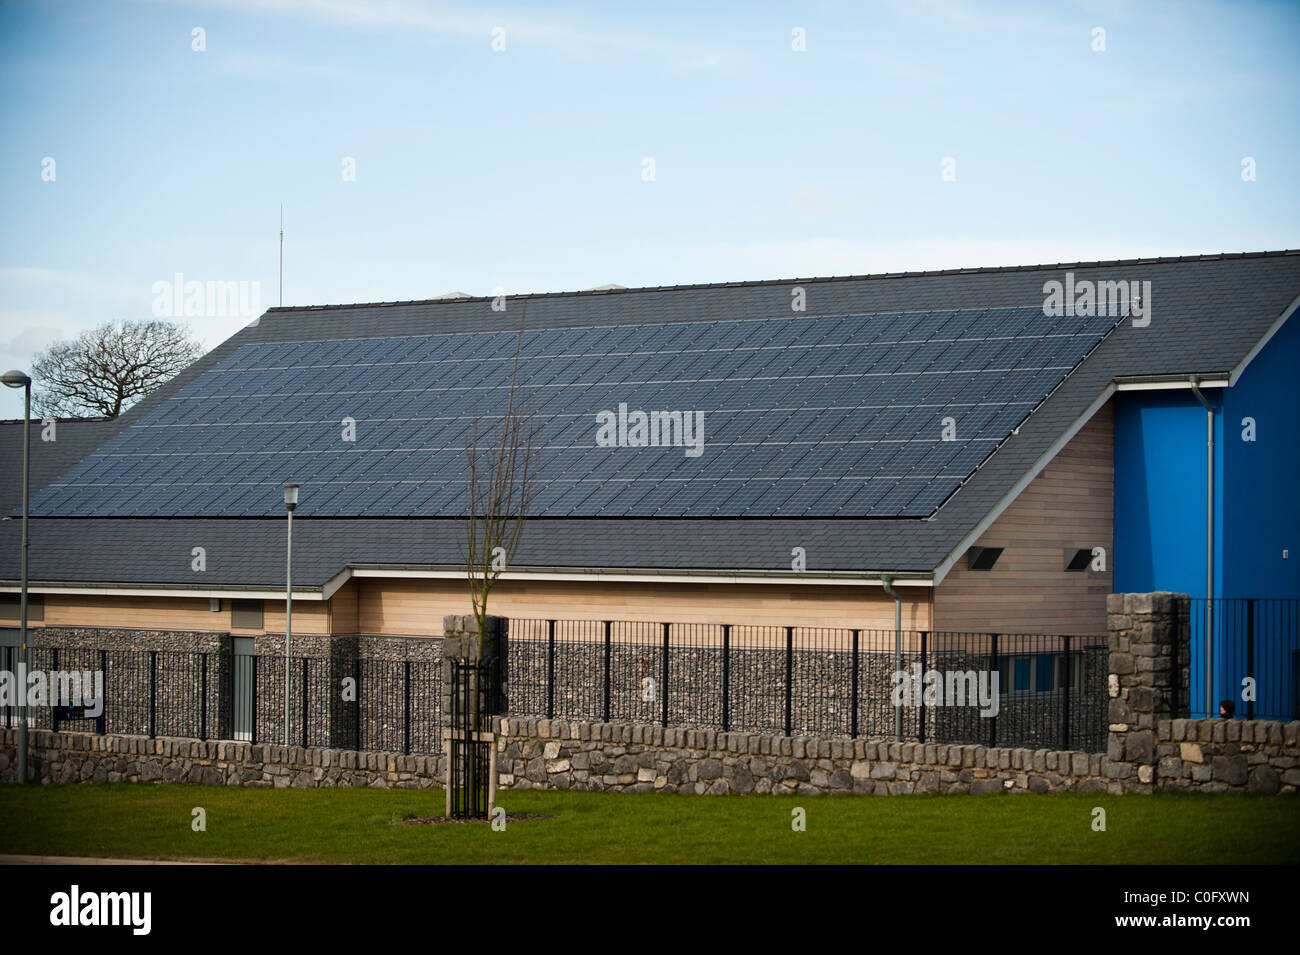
x: 1078, y: 558
x: 982, y: 558
x: 1039, y: 673
x: 11, y: 607
x: 246, y: 614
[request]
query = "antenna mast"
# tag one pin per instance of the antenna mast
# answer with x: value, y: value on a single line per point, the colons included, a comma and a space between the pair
x: 282, y: 254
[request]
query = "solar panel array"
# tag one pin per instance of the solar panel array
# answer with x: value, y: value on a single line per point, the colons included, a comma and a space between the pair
x: 805, y: 416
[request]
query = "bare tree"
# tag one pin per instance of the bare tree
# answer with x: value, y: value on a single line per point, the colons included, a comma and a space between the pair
x: 500, y: 472
x: 105, y: 370
x: 501, y: 458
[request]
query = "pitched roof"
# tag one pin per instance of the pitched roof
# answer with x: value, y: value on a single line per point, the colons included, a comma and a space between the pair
x: 71, y: 439
x: 1207, y: 312
x: 822, y: 416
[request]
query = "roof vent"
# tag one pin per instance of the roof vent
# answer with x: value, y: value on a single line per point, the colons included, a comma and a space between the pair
x: 611, y: 287
x: 447, y: 296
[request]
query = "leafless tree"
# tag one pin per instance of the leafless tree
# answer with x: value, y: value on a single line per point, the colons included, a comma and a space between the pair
x: 501, y: 458
x: 105, y: 370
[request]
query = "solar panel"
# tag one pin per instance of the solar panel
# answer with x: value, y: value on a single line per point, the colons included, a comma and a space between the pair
x: 808, y: 416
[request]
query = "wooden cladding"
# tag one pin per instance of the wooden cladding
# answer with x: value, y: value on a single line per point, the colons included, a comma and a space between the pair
x: 1068, y: 507
x: 415, y: 606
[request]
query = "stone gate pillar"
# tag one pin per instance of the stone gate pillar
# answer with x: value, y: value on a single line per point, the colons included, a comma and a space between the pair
x: 1149, y: 659
x: 460, y: 643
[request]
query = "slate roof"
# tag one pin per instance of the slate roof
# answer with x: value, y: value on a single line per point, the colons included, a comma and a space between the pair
x: 74, y: 438
x: 1207, y: 313
x: 802, y: 416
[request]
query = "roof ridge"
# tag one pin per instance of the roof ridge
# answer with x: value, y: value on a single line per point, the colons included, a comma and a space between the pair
x: 757, y: 283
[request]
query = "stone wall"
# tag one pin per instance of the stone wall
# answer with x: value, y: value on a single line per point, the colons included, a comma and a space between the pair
x: 1208, y: 755
x: 79, y: 757
x: 542, y: 754
x: 1220, y: 755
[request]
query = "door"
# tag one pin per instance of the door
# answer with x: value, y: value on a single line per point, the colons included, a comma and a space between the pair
x: 245, y: 688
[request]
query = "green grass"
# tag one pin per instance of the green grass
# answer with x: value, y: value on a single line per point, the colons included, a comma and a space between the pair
x: 355, y: 825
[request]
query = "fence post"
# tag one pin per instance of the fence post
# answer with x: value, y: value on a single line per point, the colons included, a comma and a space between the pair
x: 664, y: 682
x: 993, y: 720
x: 921, y: 711
x: 54, y: 709
x: 853, y: 690
x: 304, y: 702
x: 406, y: 708
x: 550, y: 669
x: 101, y: 724
x: 1065, y: 700
x: 153, y: 692
x: 1250, y: 654
x: 356, y: 703
x: 203, y: 696
x: 726, y: 678
x: 252, y: 729
x: 789, y: 676
x: 607, y: 653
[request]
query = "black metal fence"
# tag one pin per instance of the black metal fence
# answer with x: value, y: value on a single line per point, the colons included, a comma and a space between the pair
x: 1051, y: 690
x: 361, y: 704
x: 1256, y: 639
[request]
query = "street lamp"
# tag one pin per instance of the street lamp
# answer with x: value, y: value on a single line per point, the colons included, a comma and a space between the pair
x: 16, y: 379
x: 290, y: 502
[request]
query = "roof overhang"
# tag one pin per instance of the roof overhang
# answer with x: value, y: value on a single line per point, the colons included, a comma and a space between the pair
x: 1263, y: 342
x: 783, y: 578
x: 416, y: 572
x: 1169, y: 383
x: 160, y: 590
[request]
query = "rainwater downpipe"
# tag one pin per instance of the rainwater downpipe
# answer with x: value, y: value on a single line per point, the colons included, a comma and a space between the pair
x: 887, y: 582
x: 1209, y: 550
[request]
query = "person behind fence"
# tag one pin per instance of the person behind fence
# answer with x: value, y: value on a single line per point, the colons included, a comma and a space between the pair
x: 1227, y: 709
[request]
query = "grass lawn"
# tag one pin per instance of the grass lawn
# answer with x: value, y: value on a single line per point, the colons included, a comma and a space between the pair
x: 356, y: 825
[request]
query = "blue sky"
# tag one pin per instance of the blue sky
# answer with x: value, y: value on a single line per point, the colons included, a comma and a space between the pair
x: 522, y: 169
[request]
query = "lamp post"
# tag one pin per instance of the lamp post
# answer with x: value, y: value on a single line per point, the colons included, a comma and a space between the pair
x: 290, y: 502
x: 16, y: 379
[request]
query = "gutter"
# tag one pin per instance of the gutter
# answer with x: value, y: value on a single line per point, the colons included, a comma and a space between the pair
x: 1209, y: 548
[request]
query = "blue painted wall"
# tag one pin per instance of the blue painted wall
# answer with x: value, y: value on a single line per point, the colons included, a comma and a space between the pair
x: 1261, y: 500
x: 1160, y: 491
x: 1160, y: 518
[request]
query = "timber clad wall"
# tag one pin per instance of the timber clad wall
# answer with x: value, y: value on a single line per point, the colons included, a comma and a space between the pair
x: 135, y: 613
x: 343, y: 609
x: 1070, y: 504
x: 409, y: 607
x: 418, y: 606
